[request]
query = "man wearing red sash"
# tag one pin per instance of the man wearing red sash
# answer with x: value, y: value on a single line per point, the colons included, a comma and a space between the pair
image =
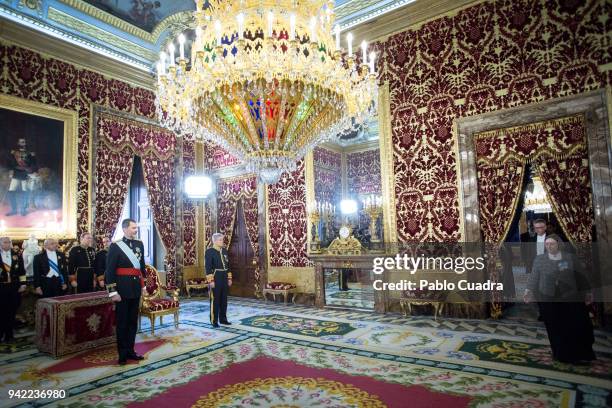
x: 124, y: 279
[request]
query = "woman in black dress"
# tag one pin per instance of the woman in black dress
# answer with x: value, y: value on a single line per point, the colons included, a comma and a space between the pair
x: 557, y: 282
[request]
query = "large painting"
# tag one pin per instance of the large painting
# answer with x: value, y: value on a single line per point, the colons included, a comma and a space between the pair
x: 37, y: 170
x: 145, y: 14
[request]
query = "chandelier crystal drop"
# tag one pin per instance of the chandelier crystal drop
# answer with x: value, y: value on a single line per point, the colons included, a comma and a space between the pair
x: 266, y: 80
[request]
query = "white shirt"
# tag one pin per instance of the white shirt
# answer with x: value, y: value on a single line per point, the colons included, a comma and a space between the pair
x: 6, y: 257
x: 540, y: 240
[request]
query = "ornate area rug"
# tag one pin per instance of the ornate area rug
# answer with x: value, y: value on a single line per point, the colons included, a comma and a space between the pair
x: 289, y: 356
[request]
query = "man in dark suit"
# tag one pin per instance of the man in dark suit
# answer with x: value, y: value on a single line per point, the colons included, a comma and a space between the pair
x: 124, y: 278
x: 81, y: 264
x: 534, y: 245
x: 219, y: 280
x: 12, y: 283
x: 100, y: 261
x: 50, y: 270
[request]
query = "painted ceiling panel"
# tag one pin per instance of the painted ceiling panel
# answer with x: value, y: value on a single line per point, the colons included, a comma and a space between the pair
x: 144, y: 14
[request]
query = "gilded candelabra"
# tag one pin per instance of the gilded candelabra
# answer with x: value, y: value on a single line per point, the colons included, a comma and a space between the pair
x: 315, y: 216
x: 372, y: 206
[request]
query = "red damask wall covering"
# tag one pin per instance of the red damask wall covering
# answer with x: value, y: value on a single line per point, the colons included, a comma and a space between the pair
x: 494, y: 55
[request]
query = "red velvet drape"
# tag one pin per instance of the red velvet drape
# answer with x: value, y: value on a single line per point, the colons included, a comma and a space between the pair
x: 568, y: 185
x: 113, y: 171
x: 119, y: 140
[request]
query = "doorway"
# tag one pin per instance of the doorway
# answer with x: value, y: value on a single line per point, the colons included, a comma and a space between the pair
x: 241, y: 255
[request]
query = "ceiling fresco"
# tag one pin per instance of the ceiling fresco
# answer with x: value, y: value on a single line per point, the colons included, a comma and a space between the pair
x: 134, y: 31
x: 144, y: 14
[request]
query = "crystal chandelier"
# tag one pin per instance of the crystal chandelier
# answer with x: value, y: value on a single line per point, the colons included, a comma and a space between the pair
x: 267, y: 80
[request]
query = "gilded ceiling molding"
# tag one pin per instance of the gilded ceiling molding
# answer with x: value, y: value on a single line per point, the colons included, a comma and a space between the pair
x: 108, y: 18
x: 183, y: 18
x: 81, y: 26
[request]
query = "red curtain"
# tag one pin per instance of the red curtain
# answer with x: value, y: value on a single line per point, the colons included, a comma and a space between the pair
x: 498, y: 194
x: 119, y: 140
x: 558, y: 149
x: 113, y: 171
x: 568, y: 185
x: 160, y: 180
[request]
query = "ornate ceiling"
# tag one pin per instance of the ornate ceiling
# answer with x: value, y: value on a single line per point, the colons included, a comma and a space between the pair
x: 133, y: 31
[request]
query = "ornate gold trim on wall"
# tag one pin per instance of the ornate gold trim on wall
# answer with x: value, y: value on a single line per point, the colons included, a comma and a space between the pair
x: 310, y: 193
x: 386, y: 163
x: 70, y: 165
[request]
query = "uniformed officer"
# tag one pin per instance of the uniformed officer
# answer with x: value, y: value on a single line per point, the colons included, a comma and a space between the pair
x: 100, y: 262
x: 219, y: 279
x: 21, y: 164
x: 81, y: 265
x: 124, y: 278
x: 50, y: 270
x: 12, y: 283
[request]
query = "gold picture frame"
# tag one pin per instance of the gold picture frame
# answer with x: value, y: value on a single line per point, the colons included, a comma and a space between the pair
x: 67, y: 229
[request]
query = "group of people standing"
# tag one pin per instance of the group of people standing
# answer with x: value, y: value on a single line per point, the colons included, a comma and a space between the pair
x: 82, y: 271
x: 119, y: 268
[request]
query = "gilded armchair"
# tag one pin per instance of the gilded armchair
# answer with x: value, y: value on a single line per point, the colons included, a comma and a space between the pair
x: 160, y: 300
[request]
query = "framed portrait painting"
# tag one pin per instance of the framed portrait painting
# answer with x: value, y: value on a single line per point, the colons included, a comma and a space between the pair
x: 38, y: 169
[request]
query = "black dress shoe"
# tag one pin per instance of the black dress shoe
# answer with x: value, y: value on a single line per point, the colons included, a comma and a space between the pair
x: 215, y: 325
x: 135, y: 356
x: 122, y: 361
x: 226, y: 323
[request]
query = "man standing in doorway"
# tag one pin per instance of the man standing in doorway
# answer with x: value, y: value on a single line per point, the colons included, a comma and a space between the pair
x: 219, y: 280
x: 124, y: 279
x: 531, y: 251
x: 12, y: 284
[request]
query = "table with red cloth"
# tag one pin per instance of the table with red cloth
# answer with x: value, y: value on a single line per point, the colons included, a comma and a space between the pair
x: 67, y: 324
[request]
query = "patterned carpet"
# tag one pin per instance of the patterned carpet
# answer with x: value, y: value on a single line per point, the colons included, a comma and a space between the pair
x: 291, y: 356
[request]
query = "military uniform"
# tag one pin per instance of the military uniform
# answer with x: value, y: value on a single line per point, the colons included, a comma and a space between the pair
x: 46, y: 277
x: 217, y: 263
x: 100, y: 264
x: 81, y: 267
x: 21, y: 163
x: 121, y: 277
x: 12, y: 276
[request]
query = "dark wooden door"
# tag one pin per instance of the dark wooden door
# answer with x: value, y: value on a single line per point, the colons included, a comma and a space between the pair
x: 241, y: 258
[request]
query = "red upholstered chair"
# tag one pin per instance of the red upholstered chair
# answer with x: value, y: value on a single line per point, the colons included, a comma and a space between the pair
x: 195, y: 283
x: 279, y: 288
x: 160, y: 300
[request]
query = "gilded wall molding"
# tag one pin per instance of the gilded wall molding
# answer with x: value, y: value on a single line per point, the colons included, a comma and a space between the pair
x: 310, y: 193
x: 386, y: 163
